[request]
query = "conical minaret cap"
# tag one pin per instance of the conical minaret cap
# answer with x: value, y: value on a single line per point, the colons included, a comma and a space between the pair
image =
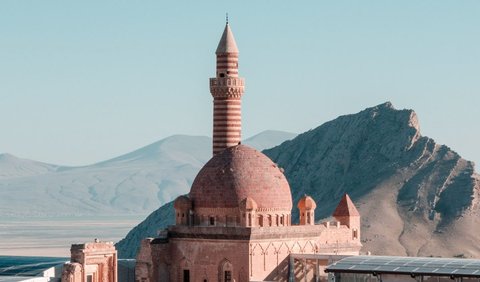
x: 227, y: 43
x: 346, y: 208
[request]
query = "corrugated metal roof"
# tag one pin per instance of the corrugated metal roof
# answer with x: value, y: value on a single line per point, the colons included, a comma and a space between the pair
x: 27, y: 266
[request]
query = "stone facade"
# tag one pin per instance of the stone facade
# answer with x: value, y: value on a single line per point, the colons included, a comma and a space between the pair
x: 252, y: 253
x: 91, y: 262
x: 235, y: 224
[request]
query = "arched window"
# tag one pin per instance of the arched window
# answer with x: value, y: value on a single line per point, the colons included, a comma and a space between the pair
x: 185, y: 273
x: 225, y: 270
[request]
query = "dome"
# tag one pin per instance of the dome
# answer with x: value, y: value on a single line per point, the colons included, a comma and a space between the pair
x: 306, y: 203
x: 238, y: 173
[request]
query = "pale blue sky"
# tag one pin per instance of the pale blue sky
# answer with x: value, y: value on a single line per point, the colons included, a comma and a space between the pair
x: 83, y: 81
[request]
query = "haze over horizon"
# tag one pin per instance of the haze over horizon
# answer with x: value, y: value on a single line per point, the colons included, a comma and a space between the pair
x: 82, y: 82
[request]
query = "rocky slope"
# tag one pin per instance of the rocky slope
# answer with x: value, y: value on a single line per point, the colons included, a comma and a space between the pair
x: 135, y: 183
x: 415, y: 197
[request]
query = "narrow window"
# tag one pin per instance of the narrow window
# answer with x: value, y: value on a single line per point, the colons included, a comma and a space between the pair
x: 228, y: 276
x: 186, y: 275
x: 90, y: 278
x: 222, y: 75
x: 212, y: 220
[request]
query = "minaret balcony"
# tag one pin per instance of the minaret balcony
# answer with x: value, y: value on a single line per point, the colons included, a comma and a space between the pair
x: 227, y: 81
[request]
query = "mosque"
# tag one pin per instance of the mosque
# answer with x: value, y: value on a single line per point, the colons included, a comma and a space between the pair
x: 235, y: 224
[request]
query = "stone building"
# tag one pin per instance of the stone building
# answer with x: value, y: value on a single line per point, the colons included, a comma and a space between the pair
x: 91, y: 262
x: 235, y: 224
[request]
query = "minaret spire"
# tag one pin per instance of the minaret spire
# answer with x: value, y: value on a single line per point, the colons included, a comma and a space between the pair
x: 227, y: 89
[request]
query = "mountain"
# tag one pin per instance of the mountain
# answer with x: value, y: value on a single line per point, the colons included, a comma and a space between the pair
x: 12, y: 167
x: 416, y: 197
x: 135, y: 183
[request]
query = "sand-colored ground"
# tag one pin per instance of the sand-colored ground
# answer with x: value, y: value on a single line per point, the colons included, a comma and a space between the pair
x: 53, y: 236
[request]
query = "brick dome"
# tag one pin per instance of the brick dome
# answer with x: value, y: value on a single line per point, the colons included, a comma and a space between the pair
x: 238, y: 173
x: 306, y: 203
x: 182, y: 203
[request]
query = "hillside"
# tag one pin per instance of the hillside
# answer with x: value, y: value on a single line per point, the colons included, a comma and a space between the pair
x: 12, y: 167
x: 135, y: 183
x: 415, y: 197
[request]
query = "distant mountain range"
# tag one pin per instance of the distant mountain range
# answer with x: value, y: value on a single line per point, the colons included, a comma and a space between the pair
x: 135, y: 183
x: 415, y: 197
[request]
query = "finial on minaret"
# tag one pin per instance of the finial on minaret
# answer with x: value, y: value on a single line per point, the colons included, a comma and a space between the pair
x: 226, y: 17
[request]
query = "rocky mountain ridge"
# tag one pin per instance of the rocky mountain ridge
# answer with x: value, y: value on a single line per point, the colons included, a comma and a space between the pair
x: 416, y: 197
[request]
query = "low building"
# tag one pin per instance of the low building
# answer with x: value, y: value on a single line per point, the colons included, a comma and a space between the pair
x: 91, y: 262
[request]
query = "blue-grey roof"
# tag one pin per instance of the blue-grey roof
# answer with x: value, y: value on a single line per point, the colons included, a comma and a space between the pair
x: 408, y: 265
x: 27, y: 266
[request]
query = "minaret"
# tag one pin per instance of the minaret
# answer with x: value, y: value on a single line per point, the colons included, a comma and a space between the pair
x: 227, y: 89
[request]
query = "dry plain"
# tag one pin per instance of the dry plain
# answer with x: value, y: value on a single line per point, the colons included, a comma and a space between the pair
x: 53, y: 236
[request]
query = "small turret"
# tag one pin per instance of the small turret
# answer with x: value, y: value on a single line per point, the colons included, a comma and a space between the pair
x: 347, y: 214
x: 306, y: 206
x: 248, y: 207
x: 183, y: 208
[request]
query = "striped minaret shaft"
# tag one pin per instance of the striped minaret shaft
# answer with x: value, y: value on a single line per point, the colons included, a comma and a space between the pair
x: 227, y: 89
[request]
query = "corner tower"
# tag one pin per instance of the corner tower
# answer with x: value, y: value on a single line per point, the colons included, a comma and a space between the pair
x: 227, y: 89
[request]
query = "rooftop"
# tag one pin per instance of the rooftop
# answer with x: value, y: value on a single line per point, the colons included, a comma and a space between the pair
x: 27, y: 266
